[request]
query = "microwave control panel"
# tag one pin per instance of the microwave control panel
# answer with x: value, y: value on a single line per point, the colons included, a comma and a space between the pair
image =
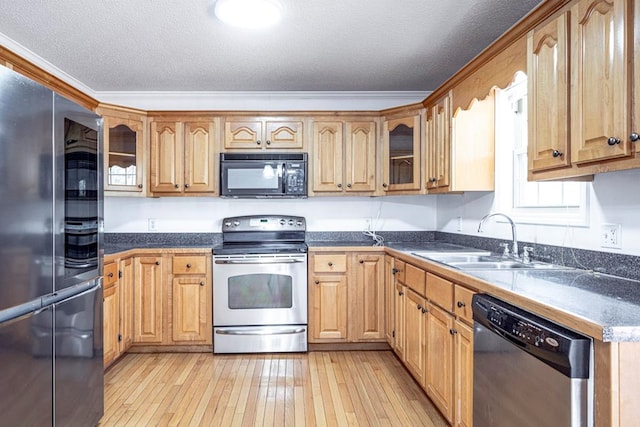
x: 295, y: 182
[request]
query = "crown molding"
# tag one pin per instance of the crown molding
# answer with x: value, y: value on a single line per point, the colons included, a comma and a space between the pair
x: 261, y: 101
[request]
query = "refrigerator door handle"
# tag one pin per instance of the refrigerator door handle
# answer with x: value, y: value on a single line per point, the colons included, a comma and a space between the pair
x: 32, y: 308
x: 72, y: 292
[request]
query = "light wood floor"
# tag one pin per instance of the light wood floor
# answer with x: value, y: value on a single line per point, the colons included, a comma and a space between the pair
x: 318, y: 388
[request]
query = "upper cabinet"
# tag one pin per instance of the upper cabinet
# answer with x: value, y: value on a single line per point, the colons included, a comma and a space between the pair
x: 124, y: 148
x: 344, y: 156
x: 580, y: 91
x: 280, y: 133
x: 401, y: 153
x: 183, y: 157
x: 438, y: 144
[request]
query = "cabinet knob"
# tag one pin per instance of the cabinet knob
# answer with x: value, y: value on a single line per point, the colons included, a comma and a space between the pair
x: 188, y: 265
x: 139, y: 185
x: 330, y: 264
x: 157, y: 262
x: 384, y: 185
x: 317, y: 282
x: 339, y: 185
x: 461, y: 304
x: 424, y: 310
x: 176, y: 186
x: 394, y: 270
x: 613, y: 140
x: 348, y: 185
x: 186, y: 186
x: 110, y: 275
x: 453, y: 331
x: 557, y: 153
x: 419, y: 307
x: 634, y: 137
x: 433, y: 180
x: 400, y: 293
x: 268, y: 142
x: 258, y: 142
x: 201, y: 283
x: 361, y: 261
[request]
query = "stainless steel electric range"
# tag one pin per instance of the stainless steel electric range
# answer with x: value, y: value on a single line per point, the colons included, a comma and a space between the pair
x: 260, y: 285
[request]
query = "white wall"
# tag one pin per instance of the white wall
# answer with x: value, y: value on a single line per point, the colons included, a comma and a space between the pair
x: 614, y: 199
x: 200, y: 214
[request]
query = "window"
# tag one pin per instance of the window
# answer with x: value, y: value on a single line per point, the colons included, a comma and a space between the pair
x: 553, y: 203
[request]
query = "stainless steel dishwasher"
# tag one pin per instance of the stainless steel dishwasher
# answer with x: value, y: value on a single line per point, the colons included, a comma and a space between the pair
x: 528, y: 371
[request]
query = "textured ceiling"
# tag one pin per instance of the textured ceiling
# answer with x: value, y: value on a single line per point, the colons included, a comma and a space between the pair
x: 320, y: 45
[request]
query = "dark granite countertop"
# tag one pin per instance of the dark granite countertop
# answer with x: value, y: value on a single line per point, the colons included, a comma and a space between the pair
x: 341, y: 243
x: 112, y: 248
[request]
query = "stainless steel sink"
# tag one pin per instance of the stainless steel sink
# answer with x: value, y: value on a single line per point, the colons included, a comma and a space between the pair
x: 484, y: 261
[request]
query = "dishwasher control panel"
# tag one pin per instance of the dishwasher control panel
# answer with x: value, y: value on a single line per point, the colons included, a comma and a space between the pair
x: 538, y: 336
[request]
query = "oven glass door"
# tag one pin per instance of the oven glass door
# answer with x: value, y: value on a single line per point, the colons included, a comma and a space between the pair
x: 260, y: 290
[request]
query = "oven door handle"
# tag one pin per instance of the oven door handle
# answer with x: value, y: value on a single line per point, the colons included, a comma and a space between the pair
x: 284, y: 331
x: 258, y: 261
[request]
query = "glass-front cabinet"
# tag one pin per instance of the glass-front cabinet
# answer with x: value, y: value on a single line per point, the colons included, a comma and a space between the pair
x: 123, y: 151
x: 401, y: 145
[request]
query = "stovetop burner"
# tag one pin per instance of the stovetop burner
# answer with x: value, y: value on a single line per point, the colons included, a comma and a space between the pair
x: 264, y: 234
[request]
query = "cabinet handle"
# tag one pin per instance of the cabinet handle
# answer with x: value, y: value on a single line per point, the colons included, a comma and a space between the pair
x: 453, y: 331
x: 317, y: 282
x: 348, y: 185
x: 139, y: 185
x: 157, y: 262
x: 176, y: 186
x: 419, y: 307
x: 400, y: 293
x: 339, y: 185
x: 186, y: 186
x: 433, y: 180
x: 557, y: 153
x: 201, y: 283
x: 110, y: 275
x: 384, y: 185
x: 361, y: 261
x: 461, y: 304
x: 188, y: 265
x: 613, y: 140
x: 394, y: 271
x: 634, y: 137
x: 258, y: 142
x: 330, y: 264
x: 268, y: 142
x: 424, y: 310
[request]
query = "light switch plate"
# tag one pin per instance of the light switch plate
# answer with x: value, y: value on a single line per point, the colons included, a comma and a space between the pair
x: 610, y: 236
x: 152, y: 224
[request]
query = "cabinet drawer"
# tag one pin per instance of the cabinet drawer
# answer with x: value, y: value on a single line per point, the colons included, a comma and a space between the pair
x: 462, y: 303
x: 189, y: 264
x: 110, y: 273
x: 414, y: 278
x: 440, y: 291
x: 330, y: 263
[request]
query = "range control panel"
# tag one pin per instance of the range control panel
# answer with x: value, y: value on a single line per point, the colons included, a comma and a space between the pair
x: 264, y: 223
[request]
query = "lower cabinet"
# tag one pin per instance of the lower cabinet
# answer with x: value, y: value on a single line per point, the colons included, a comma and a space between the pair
x: 110, y: 325
x: 117, y: 309
x: 416, y: 337
x: 439, y: 381
x: 463, y: 378
x: 148, y: 302
x: 400, y: 305
x: 346, y: 297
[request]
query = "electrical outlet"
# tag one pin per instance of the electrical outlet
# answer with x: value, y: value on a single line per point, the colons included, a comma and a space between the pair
x: 610, y: 235
x: 152, y: 224
x: 367, y: 224
x: 459, y: 223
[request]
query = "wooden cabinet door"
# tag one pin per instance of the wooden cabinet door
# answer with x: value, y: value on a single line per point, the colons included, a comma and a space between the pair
x: 243, y: 134
x: 111, y: 322
x: 416, y: 335
x: 400, y: 299
x: 123, y: 154
x: 389, y: 299
x: 401, y: 154
x: 284, y: 134
x: 600, y: 80
x: 439, y: 382
x: 441, y: 150
x: 328, y: 308
x: 148, y: 300
x: 199, y: 157
x: 368, y: 322
x: 190, y: 305
x: 167, y: 157
x: 548, y: 95
x: 327, y: 156
x: 126, y: 304
x: 463, y: 390
x: 360, y: 156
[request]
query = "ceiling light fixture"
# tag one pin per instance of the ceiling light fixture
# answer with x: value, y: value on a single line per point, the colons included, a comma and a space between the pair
x: 249, y: 13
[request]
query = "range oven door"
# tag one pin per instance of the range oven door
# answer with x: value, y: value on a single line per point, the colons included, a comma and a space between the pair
x: 260, y: 290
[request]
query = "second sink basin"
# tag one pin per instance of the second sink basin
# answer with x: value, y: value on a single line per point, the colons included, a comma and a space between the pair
x: 485, y: 261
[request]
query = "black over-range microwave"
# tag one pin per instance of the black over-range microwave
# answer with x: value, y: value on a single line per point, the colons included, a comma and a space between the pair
x: 263, y: 175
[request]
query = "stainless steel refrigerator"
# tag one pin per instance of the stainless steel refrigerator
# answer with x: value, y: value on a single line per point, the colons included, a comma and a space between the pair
x: 51, y: 370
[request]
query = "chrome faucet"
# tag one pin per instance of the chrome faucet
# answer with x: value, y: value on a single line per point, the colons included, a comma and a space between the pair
x: 514, y: 248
